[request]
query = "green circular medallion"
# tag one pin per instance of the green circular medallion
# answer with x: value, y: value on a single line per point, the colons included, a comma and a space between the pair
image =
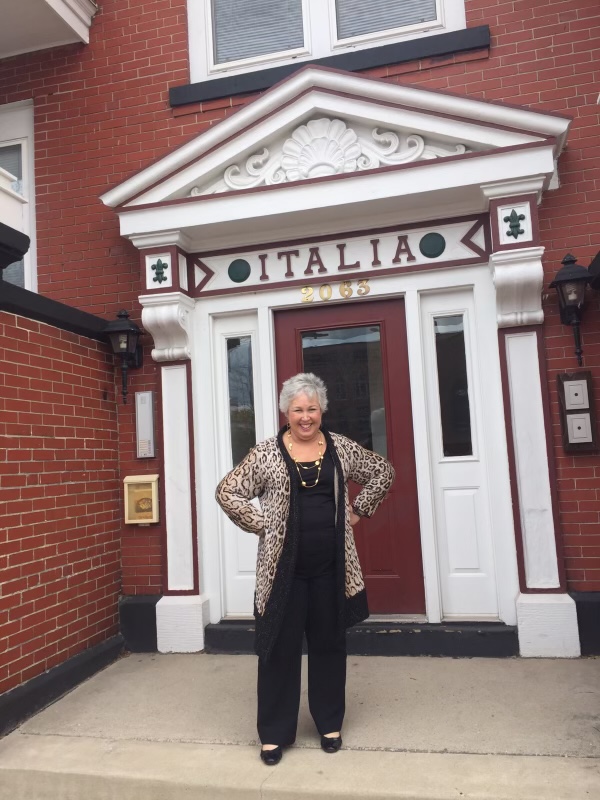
x: 432, y: 245
x: 239, y: 270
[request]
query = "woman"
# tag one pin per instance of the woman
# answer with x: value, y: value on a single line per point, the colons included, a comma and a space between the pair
x: 308, y: 577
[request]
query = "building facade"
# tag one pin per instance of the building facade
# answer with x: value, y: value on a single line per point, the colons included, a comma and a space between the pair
x: 381, y: 195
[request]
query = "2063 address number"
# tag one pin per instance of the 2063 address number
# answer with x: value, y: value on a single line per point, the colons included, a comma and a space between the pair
x: 346, y: 290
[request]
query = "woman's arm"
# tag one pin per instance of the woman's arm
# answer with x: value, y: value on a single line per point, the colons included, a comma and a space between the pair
x: 235, y: 492
x: 374, y: 473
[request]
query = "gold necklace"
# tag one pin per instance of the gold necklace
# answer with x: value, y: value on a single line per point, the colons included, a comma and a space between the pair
x: 318, y: 463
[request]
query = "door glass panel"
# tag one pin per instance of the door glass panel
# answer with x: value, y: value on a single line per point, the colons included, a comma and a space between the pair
x: 349, y: 361
x: 241, y: 396
x: 453, y: 385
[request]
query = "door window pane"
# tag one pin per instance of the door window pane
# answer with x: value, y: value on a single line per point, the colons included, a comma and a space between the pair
x: 11, y: 159
x: 349, y: 361
x: 453, y: 385
x: 241, y: 396
x: 246, y: 30
x: 360, y: 17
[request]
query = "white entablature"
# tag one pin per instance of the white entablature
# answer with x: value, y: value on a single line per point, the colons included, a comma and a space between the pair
x: 328, y: 151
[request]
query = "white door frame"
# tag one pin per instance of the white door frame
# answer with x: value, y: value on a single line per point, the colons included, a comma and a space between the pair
x: 410, y: 286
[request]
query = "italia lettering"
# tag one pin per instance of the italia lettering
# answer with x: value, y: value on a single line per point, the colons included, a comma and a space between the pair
x: 403, y: 250
x: 314, y: 260
x: 263, y: 266
x: 375, y: 245
x: 332, y: 257
x: 288, y: 254
x: 342, y: 265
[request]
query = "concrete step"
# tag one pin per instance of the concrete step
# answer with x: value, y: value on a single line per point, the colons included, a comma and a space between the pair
x: 54, y: 767
x: 455, y: 640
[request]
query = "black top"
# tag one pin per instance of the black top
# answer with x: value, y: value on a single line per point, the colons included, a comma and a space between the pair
x: 316, y: 551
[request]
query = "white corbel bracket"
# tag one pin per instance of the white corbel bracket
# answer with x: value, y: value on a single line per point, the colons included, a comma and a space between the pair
x: 518, y: 277
x: 168, y: 318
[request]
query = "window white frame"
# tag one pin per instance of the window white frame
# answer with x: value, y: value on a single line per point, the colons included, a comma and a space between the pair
x: 391, y: 34
x: 320, y: 37
x: 16, y: 127
x: 240, y: 66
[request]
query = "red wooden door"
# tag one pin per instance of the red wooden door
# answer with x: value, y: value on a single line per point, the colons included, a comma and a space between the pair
x: 360, y: 350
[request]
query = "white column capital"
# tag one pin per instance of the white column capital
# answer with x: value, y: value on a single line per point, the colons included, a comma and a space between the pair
x: 518, y: 277
x: 168, y: 318
x: 515, y: 187
x: 172, y: 238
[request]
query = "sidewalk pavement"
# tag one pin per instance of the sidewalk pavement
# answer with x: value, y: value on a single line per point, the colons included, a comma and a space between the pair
x: 169, y: 727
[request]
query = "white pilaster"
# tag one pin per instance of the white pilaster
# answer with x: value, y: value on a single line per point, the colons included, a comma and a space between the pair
x: 531, y: 460
x: 547, y: 623
x: 178, y: 494
x: 180, y: 619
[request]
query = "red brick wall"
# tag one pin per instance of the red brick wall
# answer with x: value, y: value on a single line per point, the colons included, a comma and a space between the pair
x: 60, y: 498
x: 102, y: 113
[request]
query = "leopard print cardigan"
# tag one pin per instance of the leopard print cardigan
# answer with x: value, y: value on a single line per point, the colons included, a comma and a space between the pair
x: 267, y: 473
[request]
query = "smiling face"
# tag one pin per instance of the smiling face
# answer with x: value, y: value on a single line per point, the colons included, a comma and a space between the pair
x: 304, y: 416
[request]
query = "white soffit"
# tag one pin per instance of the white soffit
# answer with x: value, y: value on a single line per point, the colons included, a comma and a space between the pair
x: 361, y: 104
x: 30, y: 25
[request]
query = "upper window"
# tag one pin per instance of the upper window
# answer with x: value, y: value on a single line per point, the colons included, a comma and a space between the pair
x: 357, y: 18
x: 16, y: 157
x: 243, y: 30
x: 232, y: 36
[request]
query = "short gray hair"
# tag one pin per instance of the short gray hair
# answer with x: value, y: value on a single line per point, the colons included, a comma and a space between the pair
x: 303, y: 383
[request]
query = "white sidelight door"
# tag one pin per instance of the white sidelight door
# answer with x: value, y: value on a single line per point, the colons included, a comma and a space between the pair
x: 238, y: 426
x: 457, y: 442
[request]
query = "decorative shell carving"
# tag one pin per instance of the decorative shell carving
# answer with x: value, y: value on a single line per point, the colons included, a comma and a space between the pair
x: 325, y: 147
x: 321, y: 147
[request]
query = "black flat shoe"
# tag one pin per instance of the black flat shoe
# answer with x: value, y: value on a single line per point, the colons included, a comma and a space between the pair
x: 271, y: 757
x: 331, y: 744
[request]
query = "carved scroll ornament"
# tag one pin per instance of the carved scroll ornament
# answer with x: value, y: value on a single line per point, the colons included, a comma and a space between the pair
x: 325, y: 147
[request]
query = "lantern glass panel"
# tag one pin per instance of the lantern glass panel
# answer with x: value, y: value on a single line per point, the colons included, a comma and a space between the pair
x: 572, y: 293
x: 132, y: 340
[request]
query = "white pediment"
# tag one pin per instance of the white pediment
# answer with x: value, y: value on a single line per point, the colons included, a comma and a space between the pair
x: 320, y: 123
x: 326, y: 151
x: 326, y: 146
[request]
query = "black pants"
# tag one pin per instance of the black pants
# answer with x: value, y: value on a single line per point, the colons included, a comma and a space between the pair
x: 312, y: 609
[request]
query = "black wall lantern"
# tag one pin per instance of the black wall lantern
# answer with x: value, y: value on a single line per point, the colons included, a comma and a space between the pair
x: 124, y: 336
x: 570, y: 284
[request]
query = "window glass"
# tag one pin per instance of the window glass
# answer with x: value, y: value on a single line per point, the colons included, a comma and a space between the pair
x: 241, y: 396
x: 11, y: 159
x: 453, y: 385
x: 361, y: 17
x: 349, y: 361
x: 245, y: 29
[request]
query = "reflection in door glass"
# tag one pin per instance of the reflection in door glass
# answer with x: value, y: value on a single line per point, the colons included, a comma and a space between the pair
x: 241, y: 396
x: 453, y: 385
x: 349, y: 361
